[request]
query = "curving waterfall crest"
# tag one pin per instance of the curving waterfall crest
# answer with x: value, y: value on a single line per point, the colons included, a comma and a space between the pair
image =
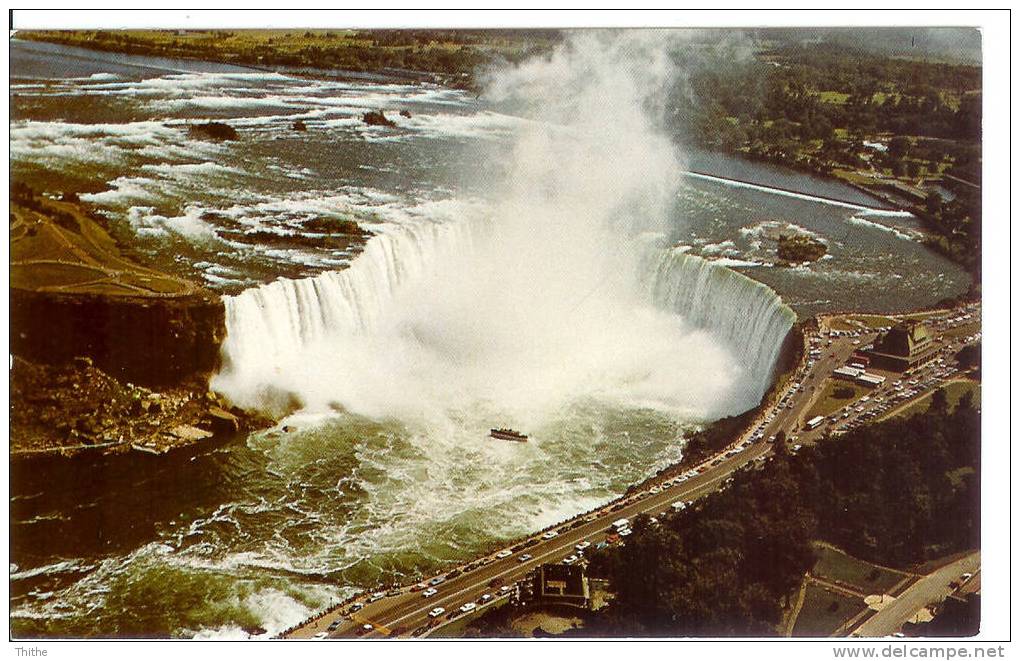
x: 283, y: 335
x: 745, y: 314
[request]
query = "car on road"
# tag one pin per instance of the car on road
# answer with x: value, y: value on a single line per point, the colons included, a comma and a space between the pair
x: 437, y: 611
x: 570, y: 559
x: 430, y: 592
x: 437, y: 580
x: 496, y: 582
x: 524, y: 557
x: 583, y: 545
x: 549, y: 535
x: 376, y: 597
x: 357, y: 606
x: 320, y: 635
x: 506, y: 589
x: 334, y: 625
x: 468, y: 607
x: 485, y: 598
x: 505, y: 553
x: 367, y: 628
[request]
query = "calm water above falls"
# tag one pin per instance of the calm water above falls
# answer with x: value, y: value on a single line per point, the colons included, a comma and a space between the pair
x: 381, y: 483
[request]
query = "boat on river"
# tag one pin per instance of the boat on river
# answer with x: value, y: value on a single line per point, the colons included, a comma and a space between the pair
x: 508, y: 435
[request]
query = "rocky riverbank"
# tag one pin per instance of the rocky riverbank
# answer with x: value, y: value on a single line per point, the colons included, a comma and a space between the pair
x: 107, y: 355
x: 798, y: 249
x: 77, y: 408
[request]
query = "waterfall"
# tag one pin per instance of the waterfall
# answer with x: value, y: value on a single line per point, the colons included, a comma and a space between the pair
x: 280, y: 336
x: 748, y: 316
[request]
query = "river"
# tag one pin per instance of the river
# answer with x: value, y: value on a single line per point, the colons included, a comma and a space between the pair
x: 567, y: 309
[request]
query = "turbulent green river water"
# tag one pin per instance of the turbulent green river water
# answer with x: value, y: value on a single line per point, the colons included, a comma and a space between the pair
x: 561, y: 322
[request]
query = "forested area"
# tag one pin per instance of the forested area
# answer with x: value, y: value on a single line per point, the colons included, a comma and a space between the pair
x: 876, y: 121
x: 895, y: 493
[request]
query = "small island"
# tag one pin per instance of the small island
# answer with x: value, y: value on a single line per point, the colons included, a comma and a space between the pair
x: 377, y: 118
x: 216, y: 131
x: 798, y: 249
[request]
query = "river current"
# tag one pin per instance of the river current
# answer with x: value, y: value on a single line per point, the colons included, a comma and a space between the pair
x: 384, y: 472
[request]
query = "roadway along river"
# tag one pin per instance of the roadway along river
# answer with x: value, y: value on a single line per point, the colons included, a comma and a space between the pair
x: 401, y: 614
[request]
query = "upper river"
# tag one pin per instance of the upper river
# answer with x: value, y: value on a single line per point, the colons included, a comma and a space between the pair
x: 388, y: 473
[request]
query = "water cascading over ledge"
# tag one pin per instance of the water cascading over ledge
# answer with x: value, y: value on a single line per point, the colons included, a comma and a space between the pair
x: 746, y: 314
x: 289, y: 325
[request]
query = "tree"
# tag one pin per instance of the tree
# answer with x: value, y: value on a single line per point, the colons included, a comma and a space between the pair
x: 899, y: 147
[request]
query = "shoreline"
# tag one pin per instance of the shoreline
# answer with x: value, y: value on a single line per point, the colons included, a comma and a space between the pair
x: 635, y: 492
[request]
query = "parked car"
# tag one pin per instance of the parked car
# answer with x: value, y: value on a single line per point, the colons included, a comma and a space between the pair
x: 320, y: 635
x: 505, y: 553
x: 468, y: 607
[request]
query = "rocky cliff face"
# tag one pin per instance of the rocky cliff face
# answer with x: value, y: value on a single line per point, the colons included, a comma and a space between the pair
x: 150, y: 341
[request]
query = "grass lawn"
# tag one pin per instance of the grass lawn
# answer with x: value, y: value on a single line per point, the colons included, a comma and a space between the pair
x: 873, y: 320
x: 954, y: 391
x: 838, y: 566
x: 840, y: 324
x: 963, y: 329
x: 828, y: 403
x: 824, y: 611
x: 830, y: 96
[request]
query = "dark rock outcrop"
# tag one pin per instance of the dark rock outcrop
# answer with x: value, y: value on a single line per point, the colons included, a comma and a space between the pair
x: 146, y: 340
x: 377, y: 118
x: 800, y: 249
x: 299, y: 126
x: 334, y: 226
x: 404, y: 113
x: 217, y: 131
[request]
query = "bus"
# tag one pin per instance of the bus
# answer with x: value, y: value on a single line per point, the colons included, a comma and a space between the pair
x: 814, y: 422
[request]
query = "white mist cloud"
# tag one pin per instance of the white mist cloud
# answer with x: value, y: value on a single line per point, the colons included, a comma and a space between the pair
x: 543, y: 302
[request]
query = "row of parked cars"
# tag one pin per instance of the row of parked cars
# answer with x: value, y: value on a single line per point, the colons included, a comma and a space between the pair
x: 471, y: 606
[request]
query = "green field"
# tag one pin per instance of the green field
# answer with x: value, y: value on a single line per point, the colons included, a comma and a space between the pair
x: 57, y: 246
x: 829, y: 96
x: 837, y: 566
x: 824, y: 611
x: 873, y: 320
x: 954, y: 391
x: 828, y: 403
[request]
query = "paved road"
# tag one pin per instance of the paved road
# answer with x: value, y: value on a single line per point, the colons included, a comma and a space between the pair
x: 406, y: 612
x: 403, y: 613
x: 933, y: 587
